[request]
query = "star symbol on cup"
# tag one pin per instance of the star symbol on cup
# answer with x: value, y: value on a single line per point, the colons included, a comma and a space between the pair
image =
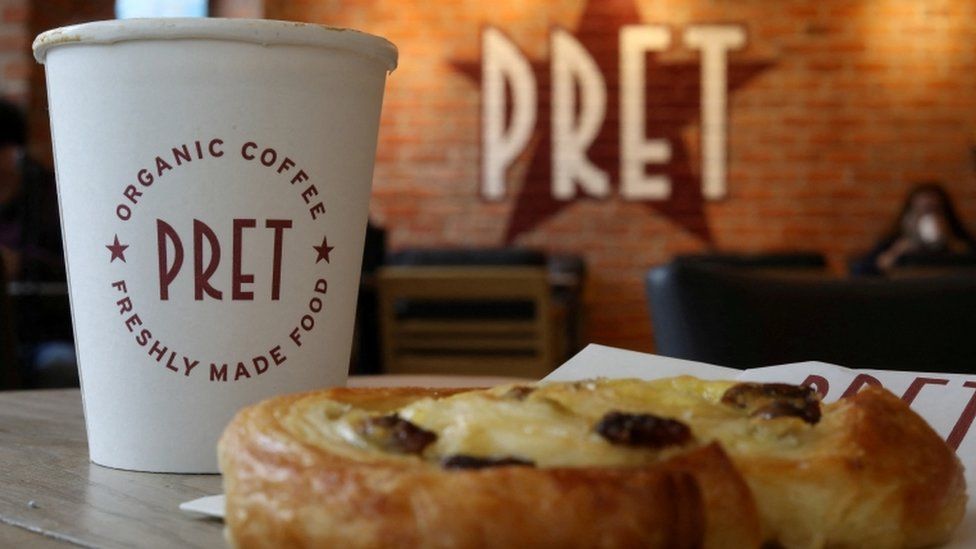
x: 117, y: 249
x: 324, y: 250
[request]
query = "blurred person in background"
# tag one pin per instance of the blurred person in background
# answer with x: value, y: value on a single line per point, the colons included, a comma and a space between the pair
x: 30, y: 247
x: 927, y: 231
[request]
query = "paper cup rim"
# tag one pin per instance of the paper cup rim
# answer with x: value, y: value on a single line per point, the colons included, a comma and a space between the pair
x: 265, y: 32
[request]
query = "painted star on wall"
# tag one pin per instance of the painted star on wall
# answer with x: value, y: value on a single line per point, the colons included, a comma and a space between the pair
x: 673, y: 105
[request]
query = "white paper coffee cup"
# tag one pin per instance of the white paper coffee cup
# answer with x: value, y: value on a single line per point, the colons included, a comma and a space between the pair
x: 214, y: 179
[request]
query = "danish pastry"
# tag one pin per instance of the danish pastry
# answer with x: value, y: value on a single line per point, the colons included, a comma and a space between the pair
x: 677, y: 462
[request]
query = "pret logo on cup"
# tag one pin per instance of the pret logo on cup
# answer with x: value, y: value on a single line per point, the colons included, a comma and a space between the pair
x: 220, y: 258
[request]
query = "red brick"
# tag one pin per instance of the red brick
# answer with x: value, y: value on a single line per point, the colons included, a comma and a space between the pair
x: 16, y: 70
x: 14, y: 42
x: 15, y: 12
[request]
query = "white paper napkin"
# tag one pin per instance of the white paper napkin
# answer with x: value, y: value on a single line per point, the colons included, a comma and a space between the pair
x: 207, y: 506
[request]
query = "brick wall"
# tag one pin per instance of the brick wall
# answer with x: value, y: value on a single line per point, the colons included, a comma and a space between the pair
x: 46, y: 15
x: 252, y: 9
x: 835, y: 108
x: 14, y: 61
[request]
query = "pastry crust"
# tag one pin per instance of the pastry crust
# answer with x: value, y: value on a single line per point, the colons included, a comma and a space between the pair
x: 868, y: 473
x: 282, y: 491
x: 884, y: 478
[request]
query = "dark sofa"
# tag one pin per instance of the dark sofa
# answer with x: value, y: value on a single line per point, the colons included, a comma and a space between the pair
x: 743, y: 318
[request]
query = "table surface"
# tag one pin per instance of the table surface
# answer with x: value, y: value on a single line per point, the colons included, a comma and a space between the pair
x: 52, y: 496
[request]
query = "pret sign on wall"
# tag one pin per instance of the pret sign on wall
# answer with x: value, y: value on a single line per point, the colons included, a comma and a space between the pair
x: 604, y: 114
x: 578, y: 106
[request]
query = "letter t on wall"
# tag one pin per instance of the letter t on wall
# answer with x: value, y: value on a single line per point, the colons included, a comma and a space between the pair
x: 714, y: 41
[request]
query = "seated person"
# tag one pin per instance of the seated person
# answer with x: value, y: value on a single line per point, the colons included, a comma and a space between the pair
x: 927, y: 230
x: 30, y: 247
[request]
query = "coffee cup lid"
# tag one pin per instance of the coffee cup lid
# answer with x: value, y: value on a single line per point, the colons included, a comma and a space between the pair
x: 256, y: 31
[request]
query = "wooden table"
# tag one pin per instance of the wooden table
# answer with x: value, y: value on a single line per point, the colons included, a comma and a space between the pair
x: 52, y: 496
